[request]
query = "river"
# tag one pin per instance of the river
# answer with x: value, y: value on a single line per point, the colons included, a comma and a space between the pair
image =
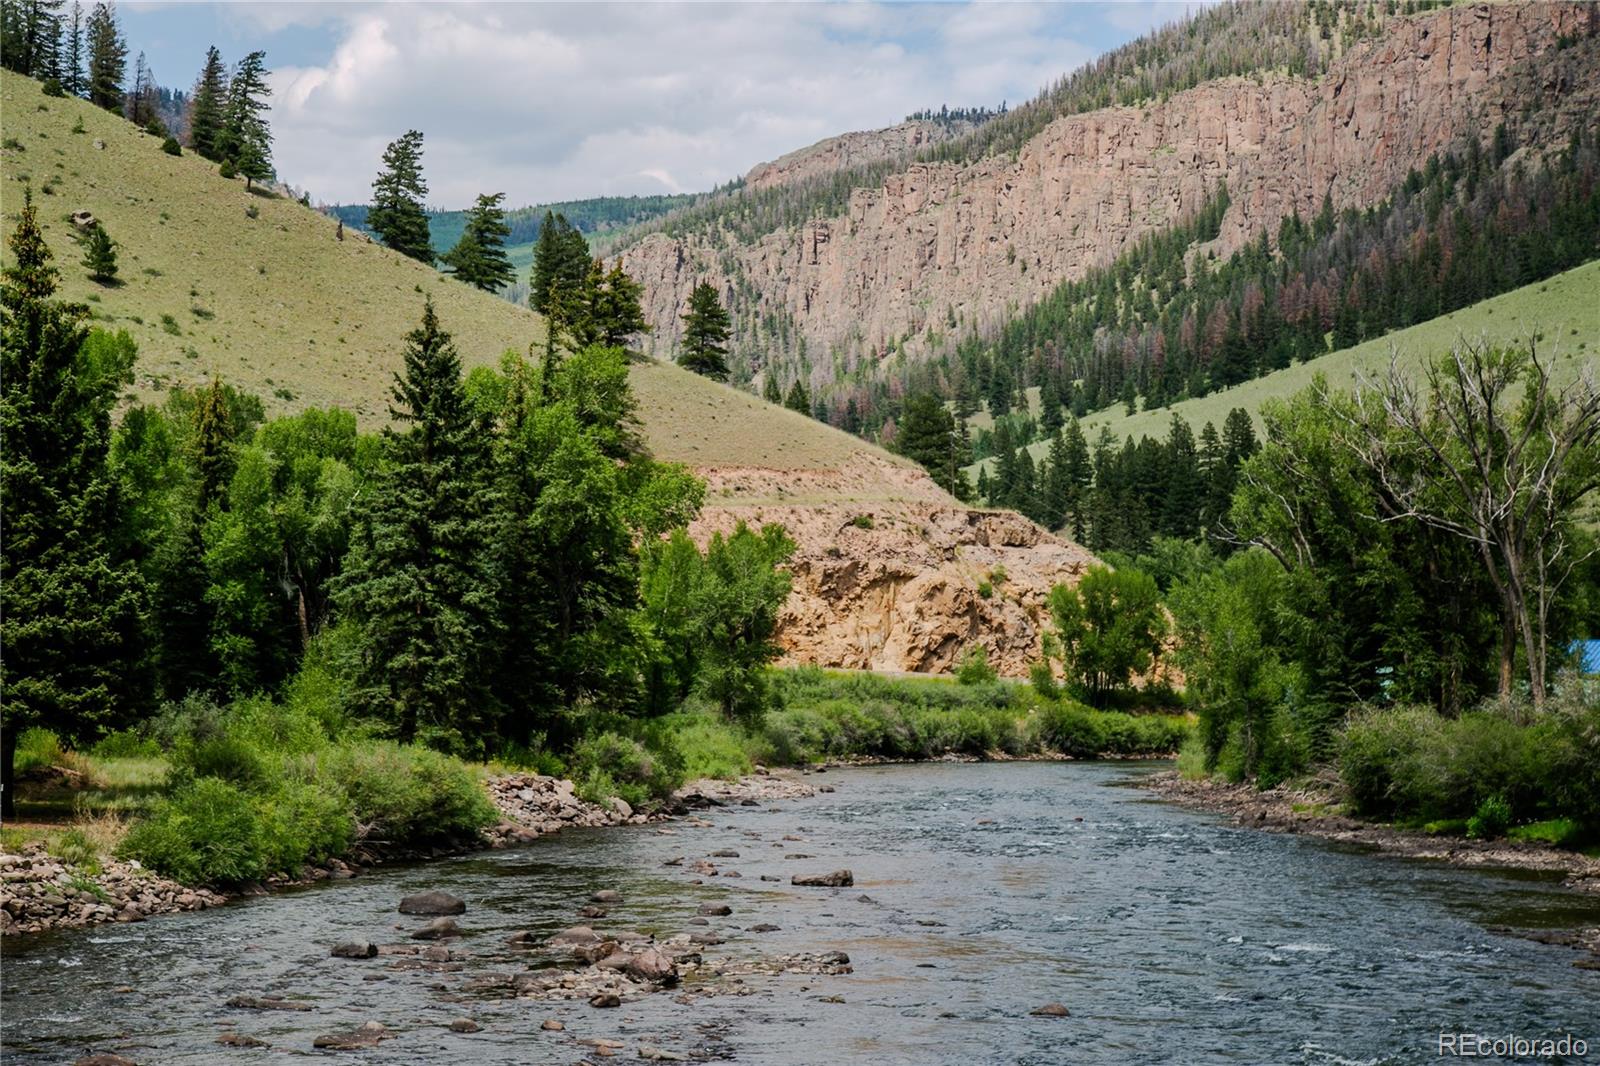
x: 1170, y: 935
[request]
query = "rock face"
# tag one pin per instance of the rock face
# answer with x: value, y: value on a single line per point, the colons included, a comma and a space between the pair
x: 853, y: 149
x: 934, y: 239
x: 896, y: 582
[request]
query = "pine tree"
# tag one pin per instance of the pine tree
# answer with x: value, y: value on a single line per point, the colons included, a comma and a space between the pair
x: 421, y: 584
x: 245, y: 140
x: 30, y: 37
x: 799, y: 397
x: 141, y: 102
x: 927, y: 434
x: 1184, y: 497
x: 561, y: 265
x: 479, y: 257
x: 100, y: 255
x: 70, y: 609
x: 397, y: 215
x: 608, y: 311
x: 704, y: 348
x: 206, y: 108
x: 771, y: 391
x: 108, y: 57
x: 1079, y: 476
x: 72, y: 78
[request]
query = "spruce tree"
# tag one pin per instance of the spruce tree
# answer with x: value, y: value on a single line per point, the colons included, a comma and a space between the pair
x: 560, y: 266
x: 397, y: 215
x: 70, y: 609
x: 479, y: 257
x: 141, y: 101
x: 799, y: 397
x: 1184, y: 497
x: 1079, y: 476
x: 607, y: 311
x: 72, y: 53
x: 245, y: 140
x: 706, y: 328
x: 108, y: 57
x: 100, y: 255
x: 206, y: 108
x: 927, y: 435
x: 421, y: 584
x: 771, y: 391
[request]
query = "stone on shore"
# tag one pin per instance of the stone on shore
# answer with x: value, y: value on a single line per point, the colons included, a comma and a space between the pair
x: 836, y: 879
x: 651, y: 965
x: 433, y: 903
x: 577, y: 936
x: 605, y: 999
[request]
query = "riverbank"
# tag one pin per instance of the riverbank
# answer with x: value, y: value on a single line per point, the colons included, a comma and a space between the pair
x: 40, y: 892
x: 1315, y: 812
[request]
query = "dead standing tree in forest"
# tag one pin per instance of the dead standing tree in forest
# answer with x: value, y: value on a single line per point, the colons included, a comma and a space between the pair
x: 1459, y: 452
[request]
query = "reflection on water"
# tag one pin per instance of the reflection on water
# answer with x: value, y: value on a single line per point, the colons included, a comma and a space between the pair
x: 1169, y: 935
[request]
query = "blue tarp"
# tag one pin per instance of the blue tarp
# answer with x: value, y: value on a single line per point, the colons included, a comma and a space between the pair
x: 1588, y: 653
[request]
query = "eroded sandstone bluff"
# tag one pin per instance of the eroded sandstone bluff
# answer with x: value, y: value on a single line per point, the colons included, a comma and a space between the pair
x: 891, y: 573
x: 936, y: 239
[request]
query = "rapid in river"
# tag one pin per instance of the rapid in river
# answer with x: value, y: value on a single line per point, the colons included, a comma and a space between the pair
x: 981, y: 893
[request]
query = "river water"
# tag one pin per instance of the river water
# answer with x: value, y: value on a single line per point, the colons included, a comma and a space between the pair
x: 1170, y: 935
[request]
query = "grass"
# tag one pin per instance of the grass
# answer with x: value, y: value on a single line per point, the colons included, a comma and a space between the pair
x: 1564, y: 308
x: 328, y: 316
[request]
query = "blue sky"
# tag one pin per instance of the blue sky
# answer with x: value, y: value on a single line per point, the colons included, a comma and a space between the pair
x: 561, y: 101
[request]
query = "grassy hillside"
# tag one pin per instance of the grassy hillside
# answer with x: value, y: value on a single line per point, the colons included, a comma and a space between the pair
x: 217, y: 281
x: 1564, y: 310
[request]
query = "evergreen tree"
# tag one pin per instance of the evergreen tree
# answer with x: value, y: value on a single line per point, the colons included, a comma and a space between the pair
x: 1079, y: 476
x: 245, y: 139
x: 108, y: 57
x: 1057, y: 483
x: 928, y: 435
x: 206, y: 108
x: 609, y: 312
x: 70, y: 609
x: 72, y: 53
x: 706, y: 329
x: 30, y: 37
x: 397, y: 215
x: 479, y: 257
x: 771, y: 391
x: 1184, y: 497
x: 141, y: 102
x: 560, y: 265
x: 799, y: 397
x: 100, y: 255
x: 421, y: 583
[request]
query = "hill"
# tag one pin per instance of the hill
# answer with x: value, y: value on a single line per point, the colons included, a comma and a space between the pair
x: 1563, y: 311
x: 216, y: 281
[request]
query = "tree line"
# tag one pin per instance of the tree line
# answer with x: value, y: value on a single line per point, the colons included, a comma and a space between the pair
x: 491, y: 568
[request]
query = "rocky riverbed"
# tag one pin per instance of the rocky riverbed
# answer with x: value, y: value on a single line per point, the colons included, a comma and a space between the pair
x: 39, y: 892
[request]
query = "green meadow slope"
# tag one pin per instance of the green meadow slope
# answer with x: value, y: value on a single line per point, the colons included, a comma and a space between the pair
x: 1562, y: 315
x: 214, y: 280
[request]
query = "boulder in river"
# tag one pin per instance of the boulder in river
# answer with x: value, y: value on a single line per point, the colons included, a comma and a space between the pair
x: 725, y: 853
x: 605, y: 895
x: 1050, y: 1010
x: 240, y: 1040
x: 552, y: 1026
x: 591, y: 911
x: 437, y: 929
x: 652, y: 965
x: 465, y: 1025
x: 714, y: 910
x: 605, y: 999
x: 577, y: 936
x: 433, y: 903
x: 266, y: 1003
x: 104, y: 1059
x: 366, y: 1035
x: 356, y: 950
x: 836, y: 879
x: 763, y: 927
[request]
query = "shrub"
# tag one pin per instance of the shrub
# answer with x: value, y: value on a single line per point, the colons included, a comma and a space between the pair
x: 303, y: 822
x: 404, y: 794
x: 207, y: 832
x: 126, y: 744
x: 227, y: 758
x: 608, y: 764
x: 76, y: 849
x: 171, y: 146
x: 37, y: 749
x: 974, y: 668
x: 228, y: 170
x: 52, y: 87
x: 1491, y: 819
x: 711, y: 746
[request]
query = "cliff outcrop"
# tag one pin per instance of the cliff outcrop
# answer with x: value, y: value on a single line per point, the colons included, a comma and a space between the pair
x: 940, y: 240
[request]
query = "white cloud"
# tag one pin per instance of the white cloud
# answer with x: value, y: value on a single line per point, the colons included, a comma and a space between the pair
x: 560, y: 101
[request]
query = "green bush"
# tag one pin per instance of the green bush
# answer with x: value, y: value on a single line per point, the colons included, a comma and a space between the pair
x: 407, y: 795
x: 1491, y: 819
x: 126, y: 744
x: 207, y: 832
x: 74, y: 848
x: 227, y: 758
x: 171, y: 146
x: 638, y: 771
x: 974, y: 668
x: 711, y: 745
x: 37, y: 749
x: 52, y: 87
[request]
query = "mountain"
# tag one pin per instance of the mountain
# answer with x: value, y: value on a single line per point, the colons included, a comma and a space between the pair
x: 879, y: 269
x: 258, y: 290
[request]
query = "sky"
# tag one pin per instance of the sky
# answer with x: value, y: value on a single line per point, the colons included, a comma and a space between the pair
x: 561, y: 101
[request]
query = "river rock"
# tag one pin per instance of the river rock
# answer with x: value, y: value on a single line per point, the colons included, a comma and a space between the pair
x: 836, y: 879
x: 356, y: 950
x: 605, y: 895
x: 266, y: 1003
x: 714, y: 910
x: 591, y: 911
x: 1050, y: 1010
x: 366, y: 1035
x: 522, y: 939
x: 437, y: 929
x: 725, y: 853
x: 240, y: 1040
x: 433, y: 903
x: 104, y: 1059
x: 576, y: 936
x: 651, y: 965
x: 605, y: 999
x: 552, y: 1026
x: 465, y: 1025
x: 764, y: 927
x: 652, y: 1053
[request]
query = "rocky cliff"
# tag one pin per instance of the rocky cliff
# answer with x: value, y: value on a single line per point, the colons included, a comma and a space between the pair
x: 938, y: 240
x: 893, y: 574
x: 853, y: 149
